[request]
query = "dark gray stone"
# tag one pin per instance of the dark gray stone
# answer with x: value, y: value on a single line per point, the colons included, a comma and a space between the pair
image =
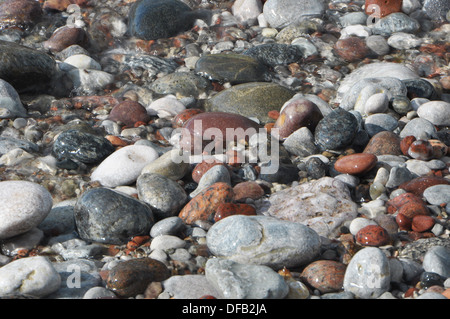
x: 273, y: 54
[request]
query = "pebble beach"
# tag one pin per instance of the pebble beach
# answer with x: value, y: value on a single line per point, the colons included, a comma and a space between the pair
x: 339, y: 187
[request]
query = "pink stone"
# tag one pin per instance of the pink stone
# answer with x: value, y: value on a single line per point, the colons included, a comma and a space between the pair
x: 325, y: 275
x: 356, y: 164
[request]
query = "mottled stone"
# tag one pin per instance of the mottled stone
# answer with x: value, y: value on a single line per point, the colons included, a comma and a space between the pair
x: 355, y: 164
x: 81, y: 146
x: 183, y: 84
x: 412, y: 209
x: 130, y: 278
x: 106, y: 216
x: 233, y: 68
x: 383, y: 143
x: 382, y: 8
x: 263, y: 240
x: 273, y: 54
x: 204, y: 205
x: 336, y: 130
x: 165, y: 196
x: 156, y: 19
x: 436, y: 9
x: 296, y: 114
x: 279, y: 14
x: 395, y: 22
x: 168, y: 165
x: 418, y: 185
x: 421, y: 150
x: 253, y: 99
x: 247, y: 189
x: 351, y: 49
x: 372, y: 235
x: 324, y: 205
x: 228, y: 209
x: 181, y: 118
x: 129, y: 112
x: 325, y: 275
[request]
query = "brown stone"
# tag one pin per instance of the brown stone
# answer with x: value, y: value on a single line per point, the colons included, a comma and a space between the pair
x: 181, y: 118
x: 395, y: 203
x: 422, y: 223
x: 325, y: 275
x: 351, y: 49
x: 405, y: 143
x: 19, y: 13
x: 248, y: 189
x: 66, y: 36
x: 228, y: 209
x: 204, y: 205
x: 298, y: 113
x: 129, y: 113
x: 418, y: 185
x: 372, y: 235
x: 355, y: 164
x: 403, y: 222
x: 382, y: 8
x: 384, y: 143
x: 411, y: 209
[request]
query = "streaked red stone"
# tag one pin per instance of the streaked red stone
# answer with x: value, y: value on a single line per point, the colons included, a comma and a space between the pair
x: 382, y: 8
x: 418, y: 185
x: 129, y: 113
x: 181, y: 118
x: 248, y: 189
x: 351, y: 49
x: 204, y: 205
x: 422, y: 223
x: 228, y: 209
x: 373, y: 235
x: 421, y: 150
x: 412, y: 209
x: 406, y: 143
x: 384, y: 143
x: 395, y: 203
x: 325, y: 275
x: 355, y: 164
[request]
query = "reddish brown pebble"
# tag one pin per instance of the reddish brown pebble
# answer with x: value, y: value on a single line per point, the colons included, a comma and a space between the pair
x: 355, y: 164
x: 129, y: 113
x: 61, y: 5
x: 64, y: 37
x: 406, y: 143
x: 418, y: 185
x: 413, y: 209
x: 325, y: 275
x: 439, y: 148
x: 201, y: 168
x: 446, y: 293
x: 421, y: 150
x: 395, y: 203
x: 228, y: 209
x: 403, y: 222
x: 410, y: 292
x: 382, y: 8
x: 351, y: 49
x: 207, y: 297
x: 204, y: 205
x: 273, y: 114
x: 422, y: 223
x: 372, y: 235
x: 248, y: 189
x: 181, y: 118
x: 384, y: 143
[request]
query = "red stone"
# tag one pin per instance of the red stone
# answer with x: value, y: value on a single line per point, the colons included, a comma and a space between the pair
x: 61, y: 5
x: 204, y: 205
x: 351, y: 49
x: 201, y: 168
x: 356, y: 164
x: 382, y: 8
x: 406, y: 143
x: 403, y: 222
x: 418, y: 185
x: 65, y: 37
x: 181, y: 118
x: 421, y: 150
x: 395, y: 203
x: 273, y: 114
x: 412, y: 209
x: 384, y: 143
x: 325, y: 275
x: 422, y: 223
x: 248, y: 189
x: 373, y: 235
x: 129, y: 113
x: 228, y: 209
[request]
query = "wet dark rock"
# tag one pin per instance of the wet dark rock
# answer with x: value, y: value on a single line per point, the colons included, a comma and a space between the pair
x: 181, y: 84
x: 81, y: 146
x: 19, y: 13
x: 156, y: 19
x: 316, y: 168
x: 273, y: 54
x: 233, y: 68
x: 336, y: 130
x: 420, y: 88
x: 285, y: 174
x: 105, y: 216
x: 395, y: 22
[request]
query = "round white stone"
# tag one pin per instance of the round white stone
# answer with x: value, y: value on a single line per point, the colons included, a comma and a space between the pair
x: 437, y: 112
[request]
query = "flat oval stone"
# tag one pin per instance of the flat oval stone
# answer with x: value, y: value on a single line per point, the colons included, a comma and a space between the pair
x: 296, y: 114
x: 165, y: 196
x: 181, y: 118
x: 66, y: 36
x: 201, y: 168
x: 223, y: 127
x: 129, y: 112
x: 131, y: 277
x: 325, y: 275
x: 263, y: 240
x: 422, y: 223
x: 377, y: 123
x: 279, y: 14
x: 419, y: 184
x: 336, y: 130
x: 273, y: 54
x: 395, y: 22
x: 372, y: 235
x: 247, y: 189
x: 383, y: 143
x: 19, y: 13
x: 156, y: 19
x: 437, y: 112
x: 254, y: 99
x: 168, y: 165
x: 24, y: 206
x: 355, y: 164
x: 438, y: 194
x: 81, y: 146
x: 412, y: 209
x: 351, y: 49
x: 437, y: 260
x: 185, y: 84
x: 106, y: 216
x: 231, y: 67
x: 204, y: 205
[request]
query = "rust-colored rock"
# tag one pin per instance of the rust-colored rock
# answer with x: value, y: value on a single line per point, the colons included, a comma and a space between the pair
x: 406, y: 143
x: 422, y: 223
x: 372, y: 235
x: 356, y: 164
x: 248, y: 189
x: 204, y: 205
x: 382, y: 8
x: 325, y: 275
x: 61, y: 5
x: 201, y: 168
x: 403, y: 222
x: 351, y: 49
x: 412, y: 209
x: 384, y: 143
x: 395, y: 203
x: 181, y: 118
x: 421, y: 150
x: 129, y: 113
x: 418, y: 185
x: 228, y: 209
